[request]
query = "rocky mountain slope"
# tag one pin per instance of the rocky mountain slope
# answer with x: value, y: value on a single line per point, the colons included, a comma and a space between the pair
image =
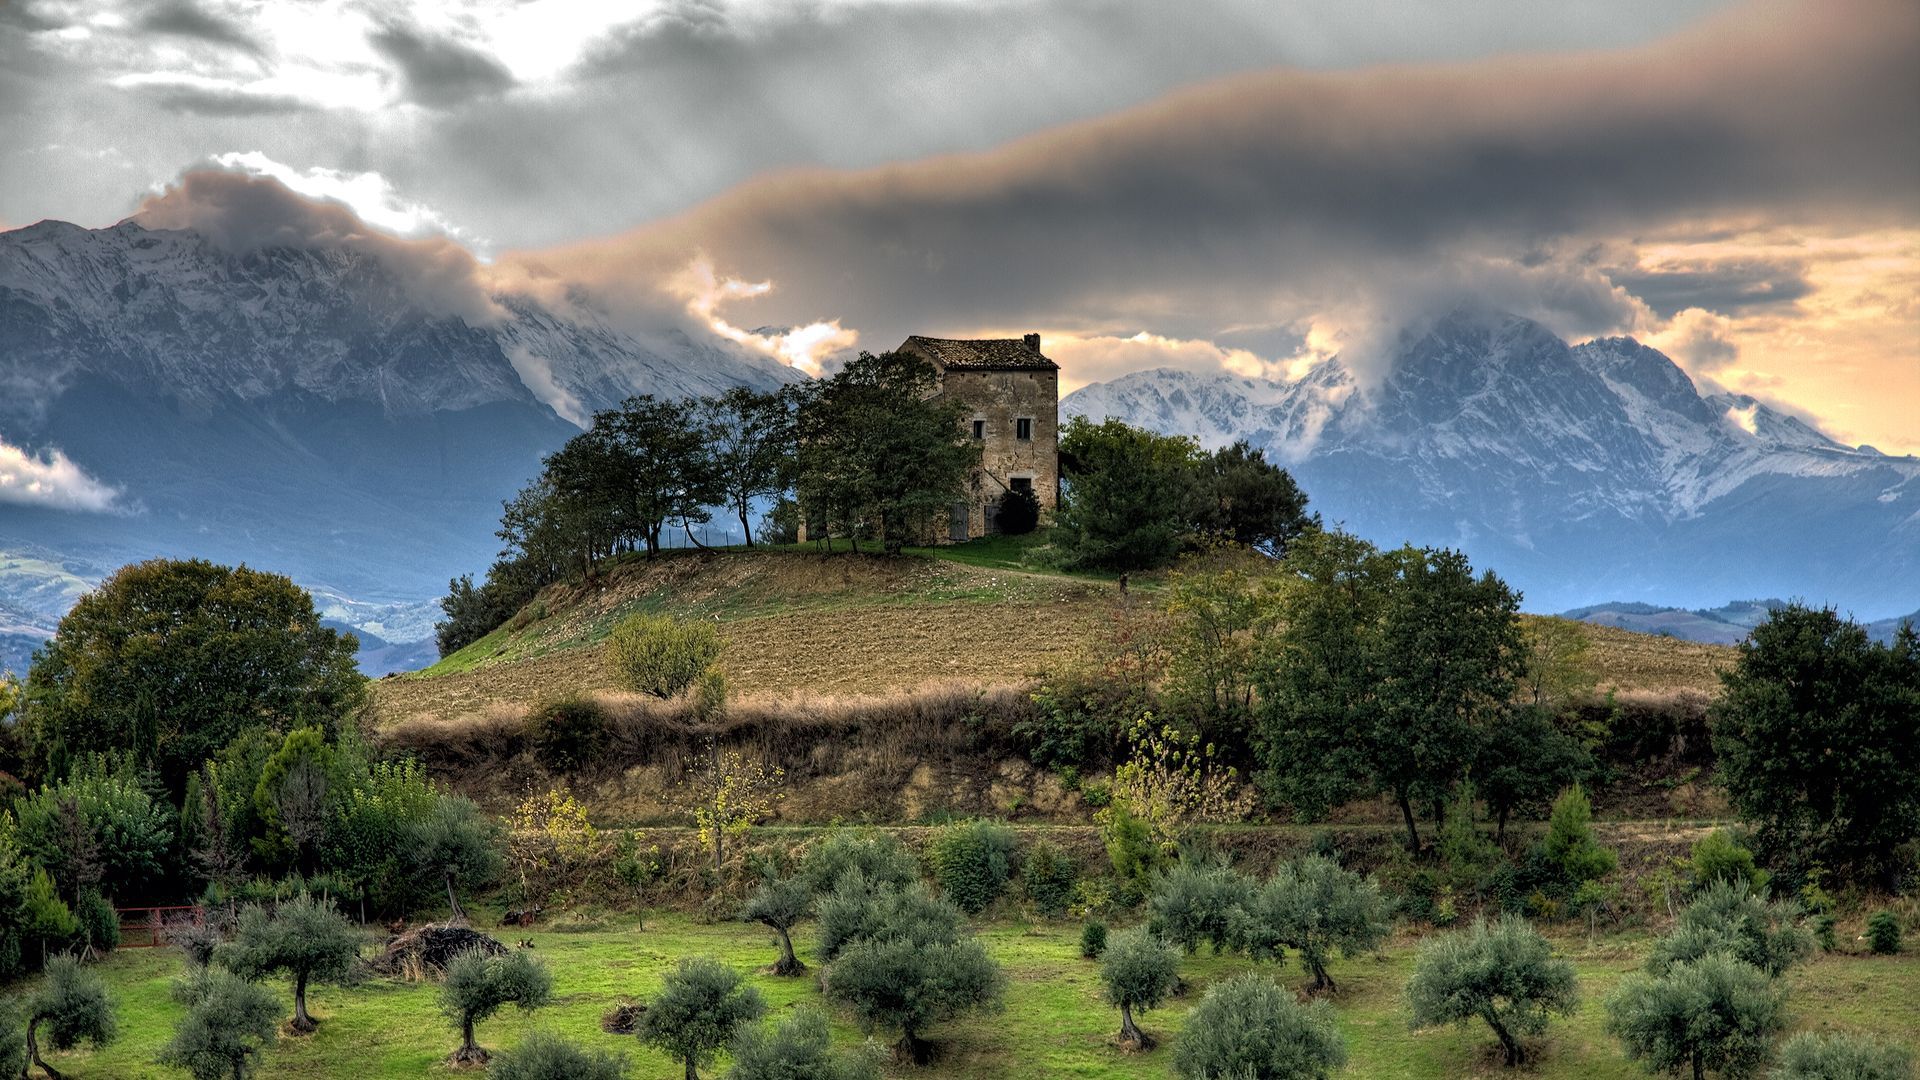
x: 1582, y: 473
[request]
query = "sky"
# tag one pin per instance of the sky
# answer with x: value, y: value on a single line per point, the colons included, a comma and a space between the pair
x: 1217, y: 184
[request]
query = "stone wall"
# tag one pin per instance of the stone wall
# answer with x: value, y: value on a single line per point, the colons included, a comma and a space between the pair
x: 999, y: 400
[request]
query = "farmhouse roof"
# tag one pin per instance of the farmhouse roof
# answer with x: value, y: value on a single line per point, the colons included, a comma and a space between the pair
x: 982, y: 354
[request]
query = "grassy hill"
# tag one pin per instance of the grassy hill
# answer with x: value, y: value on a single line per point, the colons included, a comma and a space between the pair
x: 798, y: 621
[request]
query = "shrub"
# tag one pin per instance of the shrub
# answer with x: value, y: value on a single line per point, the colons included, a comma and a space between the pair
x: 1823, y: 933
x: 854, y: 913
x: 48, y: 923
x: 1093, y: 939
x: 1199, y: 901
x: 877, y: 858
x: 72, y: 1003
x: 780, y: 905
x: 971, y: 862
x: 1138, y: 972
x: 568, y: 733
x: 478, y: 984
x: 1808, y: 1056
x: 1019, y: 512
x: 229, y: 1022
x: 1715, y: 1014
x: 1883, y: 933
x: 800, y: 1048
x: 546, y: 1056
x: 1732, y: 919
x: 1130, y: 849
x: 1076, y: 722
x: 1719, y: 856
x: 550, y: 842
x: 304, y: 938
x: 99, y: 923
x: 661, y: 655
x: 1503, y: 973
x: 1250, y: 1029
x: 1048, y: 876
x: 1316, y: 907
x: 702, y: 1005
x: 1569, y: 848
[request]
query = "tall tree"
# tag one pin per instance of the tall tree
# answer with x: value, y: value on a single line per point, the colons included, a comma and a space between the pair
x: 671, y: 473
x: 1131, y: 497
x: 1817, y: 736
x: 171, y: 659
x: 1251, y: 501
x: 750, y: 436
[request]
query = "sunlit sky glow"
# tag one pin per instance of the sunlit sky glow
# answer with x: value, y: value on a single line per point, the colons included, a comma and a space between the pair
x: 1226, y: 185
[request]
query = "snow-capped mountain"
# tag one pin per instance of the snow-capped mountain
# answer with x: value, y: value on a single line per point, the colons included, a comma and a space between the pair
x: 1581, y: 473
x: 305, y: 408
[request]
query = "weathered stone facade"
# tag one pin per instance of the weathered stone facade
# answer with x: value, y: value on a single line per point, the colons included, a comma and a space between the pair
x: 1012, y: 392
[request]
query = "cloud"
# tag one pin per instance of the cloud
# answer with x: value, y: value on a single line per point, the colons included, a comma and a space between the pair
x: 1702, y: 341
x: 204, y: 96
x: 1728, y: 285
x: 805, y: 347
x: 440, y: 71
x: 180, y: 18
x: 50, y: 479
x: 244, y: 212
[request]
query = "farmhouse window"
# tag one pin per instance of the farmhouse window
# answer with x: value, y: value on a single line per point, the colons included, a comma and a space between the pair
x: 1023, y: 428
x: 1021, y: 483
x: 979, y: 429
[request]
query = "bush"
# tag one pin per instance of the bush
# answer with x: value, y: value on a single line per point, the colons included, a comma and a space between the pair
x: 1719, y: 856
x: 1048, y: 877
x: 1076, y: 722
x: 1318, y: 908
x: 877, y: 858
x: 1883, y: 933
x: 1093, y: 939
x: 1808, y: 1056
x: 1019, y: 512
x: 229, y: 1022
x: 703, y: 1004
x: 1503, y: 973
x: 800, y: 1048
x: 1250, y: 1029
x: 568, y: 733
x: 661, y: 655
x: 1200, y: 901
x: 546, y: 1056
x: 1715, y: 1014
x: 1138, y: 972
x: 1732, y: 919
x: 99, y: 923
x: 1131, y: 849
x: 1569, y: 848
x: 971, y: 862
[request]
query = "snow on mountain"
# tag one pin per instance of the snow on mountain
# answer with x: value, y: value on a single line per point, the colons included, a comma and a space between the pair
x: 1580, y: 472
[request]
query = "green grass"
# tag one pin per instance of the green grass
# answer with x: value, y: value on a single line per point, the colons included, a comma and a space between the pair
x: 1054, y: 1024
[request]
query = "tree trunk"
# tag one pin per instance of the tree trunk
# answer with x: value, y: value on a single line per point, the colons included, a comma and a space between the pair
x: 910, y: 1049
x: 719, y: 849
x: 789, y: 964
x: 469, y: 1052
x: 745, y: 529
x: 1130, y: 1033
x: 453, y: 902
x: 33, y: 1050
x: 691, y: 1074
x: 687, y: 526
x: 1413, y: 830
x: 1699, y: 1068
x: 301, y: 1021
x: 1500, y: 825
x: 1507, y: 1041
x: 1322, y: 980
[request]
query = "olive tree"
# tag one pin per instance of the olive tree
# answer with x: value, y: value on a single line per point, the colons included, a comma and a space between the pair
x: 546, y: 1056
x: 229, y: 1023
x: 703, y: 1004
x: 305, y: 939
x: 457, y: 844
x: 1199, y: 901
x: 1250, y: 1029
x: 1729, y: 917
x: 1138, y: 971
x: 903, y: 960
x: 1503, y: 973
x: 1715, y: 1014
x: 1808, y: 1056
x: 479, y: 984
x: 800, y: 1048
x: 780, y: 906
x: 1319, y: 909
x: 73, y: 1006
x: 661, y: 655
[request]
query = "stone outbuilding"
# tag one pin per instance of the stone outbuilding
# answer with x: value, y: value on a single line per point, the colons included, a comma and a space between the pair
x: 1012, y: 392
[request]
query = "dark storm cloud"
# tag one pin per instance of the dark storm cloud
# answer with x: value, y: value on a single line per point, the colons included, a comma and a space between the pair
x: 1286, y: 191
x: 219, y: 100
x: 438, y: 70
x: 1729, y: 287
x: 183, y: 19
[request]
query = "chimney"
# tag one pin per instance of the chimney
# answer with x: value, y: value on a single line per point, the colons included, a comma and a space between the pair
x: 1033, y: 342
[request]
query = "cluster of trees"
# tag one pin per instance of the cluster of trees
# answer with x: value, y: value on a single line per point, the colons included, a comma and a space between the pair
x: 868, y: 452
x: 1133, y: 499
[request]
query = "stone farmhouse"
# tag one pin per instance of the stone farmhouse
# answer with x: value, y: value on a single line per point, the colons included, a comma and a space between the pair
x: 1013, y: 393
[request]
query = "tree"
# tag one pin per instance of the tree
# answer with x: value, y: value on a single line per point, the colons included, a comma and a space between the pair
x: 1199, y: 900
x: 303, y: 938
x: 972, y: 861
x: 1019, y: 512
x: 702, y: 1005
x: 546, y: 1056
x: 750, y: 435
x: 1316, y: 907
x: 291, y: 796
x: 780, y: 906
x: 1715, y: 1014
x: 1047, y: 875
x: 1817, y: 738
x: 800, y: 1048
x: 898, y: 983
x: 550, y: 842
x: 456, y: 843
x: 72, y: 1003
x: 1719, y: 856
x: 667, y: 462
x: 229, y: 1023
x: 1729, y: 917
x: 97, y: 826
x: 1503, y: 973
x: 1250, y: 1029
x: 1220, y: 618
x: 876, y: 857
x: 728, y: 795
x: 1559, y: 669
x: 1251, y: 501
x: 1130, y: 499
x: 661, y: 655
x: 1569, y: 847
x: 857, y: 910
x: 1137, y: 971
x: 1810, y: 1056
x: 171, y: 659
x: 478, y: 984
x: 1525, y: 759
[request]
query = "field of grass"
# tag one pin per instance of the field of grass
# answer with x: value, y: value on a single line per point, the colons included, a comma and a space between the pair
x: 1054, y: 1024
